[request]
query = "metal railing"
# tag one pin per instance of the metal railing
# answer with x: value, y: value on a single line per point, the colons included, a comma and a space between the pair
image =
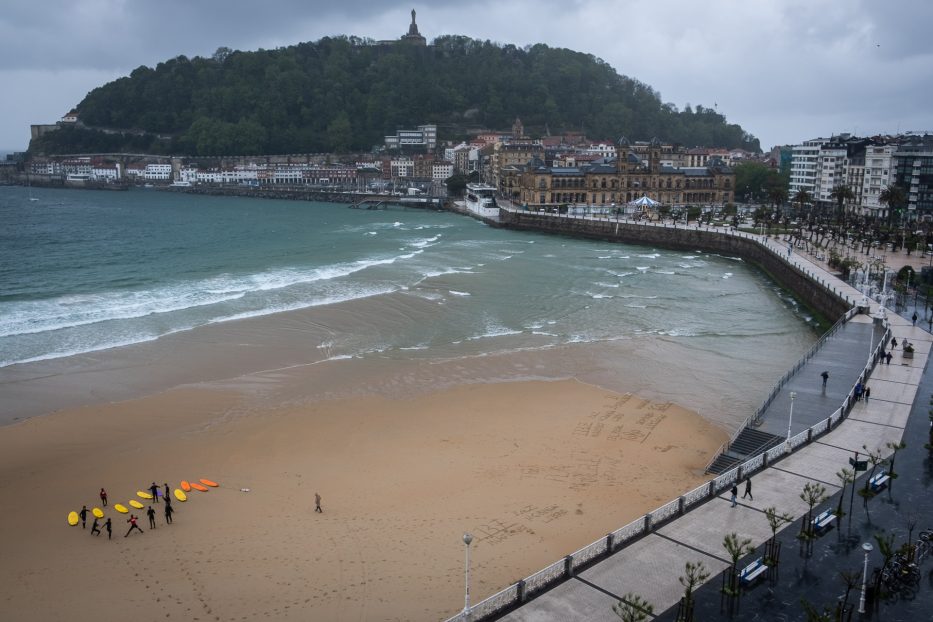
x: 563, y: 569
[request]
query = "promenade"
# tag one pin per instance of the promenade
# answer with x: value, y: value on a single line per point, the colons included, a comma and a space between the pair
x: 651, y: 566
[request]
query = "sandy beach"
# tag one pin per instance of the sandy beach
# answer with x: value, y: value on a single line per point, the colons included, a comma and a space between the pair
x: 534, y: 470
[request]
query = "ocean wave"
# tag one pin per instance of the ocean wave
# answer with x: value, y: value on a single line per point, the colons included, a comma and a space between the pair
x: 70, y: 311
x: 456, y: 293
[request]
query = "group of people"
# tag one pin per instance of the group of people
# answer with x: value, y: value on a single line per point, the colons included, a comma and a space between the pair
x: 154, y: 489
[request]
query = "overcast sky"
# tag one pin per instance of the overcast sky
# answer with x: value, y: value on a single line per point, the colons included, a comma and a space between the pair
x: 785, y: 70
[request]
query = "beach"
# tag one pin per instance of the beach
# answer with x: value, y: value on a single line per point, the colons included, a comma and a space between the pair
x: 425, y: 374
x: 534, y: 470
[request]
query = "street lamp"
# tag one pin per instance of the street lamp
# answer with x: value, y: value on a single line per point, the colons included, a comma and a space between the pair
x: 790, y: 419
x: 467, y: 539
x: 868, y: 548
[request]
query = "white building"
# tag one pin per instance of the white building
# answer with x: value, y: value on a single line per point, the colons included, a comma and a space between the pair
x: 829, y: 171
x: 188, y: 174
x: 878, y: 174
x: 158, y: 172
x: 104, y: 172
x: 442, y: 170
x: 603, y: 150
x: 402, y: 167
x: 423, y: 138
x: 803, y: 166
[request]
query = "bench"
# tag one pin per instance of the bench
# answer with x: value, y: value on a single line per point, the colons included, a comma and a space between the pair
x: 751, y: 572
x: 823, y: 520
x: 878, y: 481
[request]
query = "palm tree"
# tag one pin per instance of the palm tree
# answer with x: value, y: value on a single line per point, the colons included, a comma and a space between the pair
x: 777, y: 195
x: 894, y: 197
x: 841, y: 194
x: 802, y: 198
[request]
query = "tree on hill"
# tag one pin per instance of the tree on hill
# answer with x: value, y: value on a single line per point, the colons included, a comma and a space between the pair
x: 345, y: 93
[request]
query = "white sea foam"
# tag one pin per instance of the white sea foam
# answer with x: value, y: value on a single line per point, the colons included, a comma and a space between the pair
x: 456, y: 293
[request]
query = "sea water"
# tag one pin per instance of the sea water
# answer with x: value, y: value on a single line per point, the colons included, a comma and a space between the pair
x: 83, y: 271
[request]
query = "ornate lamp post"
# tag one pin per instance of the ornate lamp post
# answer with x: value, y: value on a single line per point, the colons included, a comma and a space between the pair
x: 790, y: 418
x: 467, y: 540
x: 868, y: 548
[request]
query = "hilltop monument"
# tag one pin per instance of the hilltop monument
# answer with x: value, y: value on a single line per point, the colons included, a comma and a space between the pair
x: 413, y: 36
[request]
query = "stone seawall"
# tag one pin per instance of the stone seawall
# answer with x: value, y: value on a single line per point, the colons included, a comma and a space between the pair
x: 821, y: 297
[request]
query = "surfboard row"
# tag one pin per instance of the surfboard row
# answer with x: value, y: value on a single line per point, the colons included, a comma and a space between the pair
x: 180, y: 493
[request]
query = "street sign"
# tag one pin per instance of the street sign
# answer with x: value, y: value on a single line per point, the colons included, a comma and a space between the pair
x: 860, y: 465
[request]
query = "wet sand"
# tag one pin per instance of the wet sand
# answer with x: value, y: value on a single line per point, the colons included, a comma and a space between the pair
x: 535, y: 470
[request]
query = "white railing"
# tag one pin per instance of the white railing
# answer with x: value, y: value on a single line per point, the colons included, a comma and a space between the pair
x: 544, y: 577
x: 700, y: 493
x: 589, y: 552
x: 496, y: 602
x: 629, y: 532
x: 665, y: 512
x: 753, y: 464
x: 725, y: 480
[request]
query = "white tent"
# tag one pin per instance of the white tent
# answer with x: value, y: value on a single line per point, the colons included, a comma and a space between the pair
x: 645, y: 201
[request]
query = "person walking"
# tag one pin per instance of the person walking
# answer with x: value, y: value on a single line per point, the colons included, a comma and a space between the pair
x: 893, y: 342
x: 132, y: 521
x: 151, y: 514
x: 858, y: 391
x: 867, y: 393
x: 83, y: 515
x: 168, y: 513
x: 317, y: 503
x: 108, y: 527
x: 913, y: 318
x: 735, y: 494
x: 748, y: 489
x: 166, y: 495
x: 790, y: 248
x: 825, y: 377
x: 103, y: 497
x: 154, y: 489
x: 887, y: 359
x: 95, y: 528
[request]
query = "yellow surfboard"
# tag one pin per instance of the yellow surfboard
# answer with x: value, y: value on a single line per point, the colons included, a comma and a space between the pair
x: 120, y: 508
x: 99, y: 513
x: 136, y: 504
x: 185, y: 486
x: 199, y: 487
x: 180, y: 495
x: 143, y: 495
x: 208, y: 482
x: 73, y: 518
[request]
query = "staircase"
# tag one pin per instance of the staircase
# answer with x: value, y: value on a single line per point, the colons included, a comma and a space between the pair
x: 747, y: 444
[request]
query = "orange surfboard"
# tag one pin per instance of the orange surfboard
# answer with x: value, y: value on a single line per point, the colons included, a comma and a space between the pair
x: 199, y: 487
x: 185, y: 486
x: 208, y: 482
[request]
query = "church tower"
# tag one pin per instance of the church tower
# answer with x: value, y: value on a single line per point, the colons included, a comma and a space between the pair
x: 518, y: 130
x: 654, y: 155
x: 413, y: 36
x: 622, y: 149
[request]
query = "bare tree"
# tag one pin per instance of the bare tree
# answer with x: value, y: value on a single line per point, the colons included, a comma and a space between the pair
x: 846, y: 476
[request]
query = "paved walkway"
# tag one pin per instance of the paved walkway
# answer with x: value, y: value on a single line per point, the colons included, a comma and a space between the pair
x: 651, y: 566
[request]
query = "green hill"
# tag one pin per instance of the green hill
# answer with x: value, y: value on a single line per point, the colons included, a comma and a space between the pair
x: 341, y: 94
